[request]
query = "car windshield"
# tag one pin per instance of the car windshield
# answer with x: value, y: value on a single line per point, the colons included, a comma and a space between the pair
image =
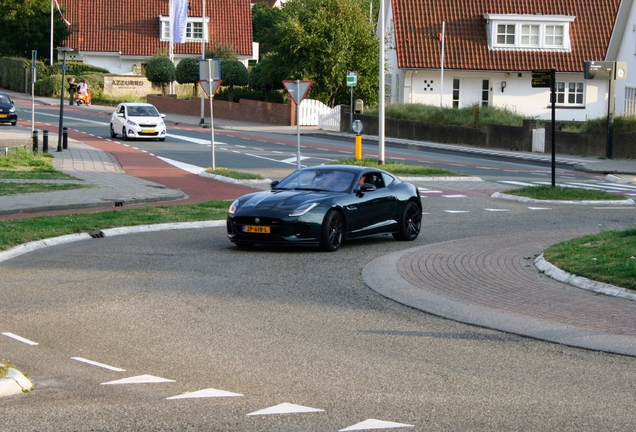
x: 318, y: 180
x: 142, y: 111
x: 4, y: 98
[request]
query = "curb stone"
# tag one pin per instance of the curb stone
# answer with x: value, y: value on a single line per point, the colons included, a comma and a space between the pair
x: 500, y: 195
x: 14, y: 383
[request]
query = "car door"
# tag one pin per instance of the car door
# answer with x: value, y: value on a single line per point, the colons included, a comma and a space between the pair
x: 374, y: 208
x: 118, y: 121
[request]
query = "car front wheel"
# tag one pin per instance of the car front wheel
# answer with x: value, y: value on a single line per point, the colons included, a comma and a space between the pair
x: 410, y: 224
x: 112, y: 132
x: 332, y: 231
x: 124, y: 134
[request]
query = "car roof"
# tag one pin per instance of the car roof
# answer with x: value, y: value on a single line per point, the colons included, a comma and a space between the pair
x: 127, y: 104
x: 349, y: 168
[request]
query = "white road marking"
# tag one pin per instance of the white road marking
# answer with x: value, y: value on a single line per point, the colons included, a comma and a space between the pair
x: 375, y: 424
x: 184, y: 166
x: 207, y: 393
x: 613, y: 208
x: 497, y: 210
x: 539, y: 208
x: 101, y: 365
x: 141, y: 379
x: 454, y: 196
x: 456, y: 211
x: 20, y: 338
x: 285, y: 408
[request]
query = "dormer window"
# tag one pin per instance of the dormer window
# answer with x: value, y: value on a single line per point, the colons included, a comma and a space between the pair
x: 194, y: 29
x: 529, y: 32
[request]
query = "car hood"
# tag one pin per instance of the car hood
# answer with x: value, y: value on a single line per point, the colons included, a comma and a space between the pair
x: 5, y: 106
x: 279, y: 202
x: 145, y: 119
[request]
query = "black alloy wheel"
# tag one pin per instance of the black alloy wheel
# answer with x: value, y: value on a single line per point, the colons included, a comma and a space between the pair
x: 332, y: 232
x: 112, y: 132
x: 411, y: 223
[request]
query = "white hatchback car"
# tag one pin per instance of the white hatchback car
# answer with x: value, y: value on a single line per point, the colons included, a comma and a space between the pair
x: 137, y: 120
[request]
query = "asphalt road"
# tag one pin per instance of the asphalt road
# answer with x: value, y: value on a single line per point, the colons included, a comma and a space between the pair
x: 290, y: 326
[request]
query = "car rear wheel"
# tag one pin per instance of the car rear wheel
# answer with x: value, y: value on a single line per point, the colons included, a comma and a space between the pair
x: 112, y: 132
x: 410, y: 224
x: 332, y: 231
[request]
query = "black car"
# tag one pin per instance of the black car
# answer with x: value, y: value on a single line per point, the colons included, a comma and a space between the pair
x: 326, y: 205
x: 8, y: 113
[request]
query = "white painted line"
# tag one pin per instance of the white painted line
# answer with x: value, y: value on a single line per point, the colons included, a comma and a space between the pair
x: 539, y: 174
x: 454, y: 196
x: 456, y: 211
x: 497, y: 210
x: 184, y: 166
x: 375, y: 424
x: 141, y: 379
x: 207, y: 393
x: 430, y: 191
x: 516, y: 183
x: 539, y: 208
x: 613, y: 208
x: 101, y: 365
x: 21, y: 339
x: 285, y: 408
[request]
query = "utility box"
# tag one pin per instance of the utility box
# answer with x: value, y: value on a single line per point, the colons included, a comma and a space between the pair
x: 359, y: 106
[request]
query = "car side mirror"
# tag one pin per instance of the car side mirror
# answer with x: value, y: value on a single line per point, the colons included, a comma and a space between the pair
x: 162, y: 115
x: 273, y: 184
x: 120, y: 114
x: 367, y: 187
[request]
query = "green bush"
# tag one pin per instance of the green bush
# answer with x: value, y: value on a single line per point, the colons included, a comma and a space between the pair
x: 49, y: 86
x: 248, y: 93
x: 160, y: 71
x: 13, y: 73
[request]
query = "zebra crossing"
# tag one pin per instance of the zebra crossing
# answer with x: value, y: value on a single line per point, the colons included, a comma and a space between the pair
x: 624, y: 189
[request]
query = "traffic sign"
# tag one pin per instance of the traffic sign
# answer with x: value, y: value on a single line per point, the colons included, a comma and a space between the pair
x: 352, y: 79
x: 598, y: 70
x: 204, y: 69
x: 205, y: 85
x: 357, y: 126
x: 297, y: 89
x: 542, y: 78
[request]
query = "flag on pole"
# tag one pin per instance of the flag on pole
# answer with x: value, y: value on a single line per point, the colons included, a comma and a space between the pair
x: 179, y: 20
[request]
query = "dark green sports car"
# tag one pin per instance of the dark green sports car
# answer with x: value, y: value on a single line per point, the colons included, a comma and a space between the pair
x: 326, y: 205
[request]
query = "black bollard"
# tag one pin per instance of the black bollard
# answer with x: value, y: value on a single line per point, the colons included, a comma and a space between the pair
x: 45, y: 141
x: 65, y: 138
x: 35, y: 141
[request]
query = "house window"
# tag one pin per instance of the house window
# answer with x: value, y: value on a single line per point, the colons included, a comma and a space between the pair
x: 485, y: 92
x: 630, y: 101
x: 456, y: 93
x: 194, y: 29
x: 537, y: 32
x: 530, y: 35
x: 506, y: 34
x: 554, y: 36
x: 569, y: 93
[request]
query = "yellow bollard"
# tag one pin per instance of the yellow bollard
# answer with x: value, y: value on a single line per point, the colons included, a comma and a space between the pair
x: 358, y: 147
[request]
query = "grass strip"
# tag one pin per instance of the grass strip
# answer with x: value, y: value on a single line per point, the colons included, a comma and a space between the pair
x: 18, y: 231
x: 608, y: 257
x: 7, y: 188
x: 561, y: 193
x: 402, y: 169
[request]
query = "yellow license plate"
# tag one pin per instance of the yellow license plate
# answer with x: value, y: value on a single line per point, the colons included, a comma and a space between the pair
x: 148, y: 131
x: 256, y: 229
x: 3, y: 115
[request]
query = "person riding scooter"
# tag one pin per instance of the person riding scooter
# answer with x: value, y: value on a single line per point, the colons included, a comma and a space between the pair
x: 83, y: 93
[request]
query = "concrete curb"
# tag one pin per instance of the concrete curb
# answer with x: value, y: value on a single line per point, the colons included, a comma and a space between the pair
x: 580, y: 282
x: 500, y: 195
x: 14, y: 383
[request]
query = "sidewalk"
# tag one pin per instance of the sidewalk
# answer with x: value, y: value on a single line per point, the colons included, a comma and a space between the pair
x: 541, y: 307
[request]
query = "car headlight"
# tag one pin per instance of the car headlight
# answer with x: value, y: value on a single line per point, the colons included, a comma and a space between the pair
x: 303, y: 209
x: 12, y: 109
x: 131, y: 123
x: 233, y: 207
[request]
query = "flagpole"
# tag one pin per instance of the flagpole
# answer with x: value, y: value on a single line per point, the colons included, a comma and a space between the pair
x: 203, y: 57
x: 171, y: 42
x: 51, y: 61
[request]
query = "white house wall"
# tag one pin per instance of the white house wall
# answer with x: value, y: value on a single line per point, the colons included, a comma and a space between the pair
x: 626, y: 53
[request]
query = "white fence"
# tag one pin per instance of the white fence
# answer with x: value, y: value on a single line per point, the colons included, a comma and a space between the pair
x: 316, y: 113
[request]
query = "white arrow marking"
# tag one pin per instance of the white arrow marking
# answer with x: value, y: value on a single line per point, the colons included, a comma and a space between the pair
x: 454, y: 196
x: 141, y: 379
x: 285, y: 408
x: 101, y: 365
x: 21, y: 339
x: 207, y: 393
x: 375, y: 424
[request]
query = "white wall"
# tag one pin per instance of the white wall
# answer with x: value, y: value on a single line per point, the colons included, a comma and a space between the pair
x: 626, y: 53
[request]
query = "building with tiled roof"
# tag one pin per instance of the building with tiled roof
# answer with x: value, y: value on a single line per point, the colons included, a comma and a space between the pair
x: 120, y: 35
x: 464, y: 52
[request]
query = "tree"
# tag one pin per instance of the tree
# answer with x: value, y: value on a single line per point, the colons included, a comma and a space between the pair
x: 222, y: 52
x: 321, y: 40
x: 264, y: 18
x: 160, y: 71
x: 187, y: 72
x: 233, y: 72
x: 26, y: 26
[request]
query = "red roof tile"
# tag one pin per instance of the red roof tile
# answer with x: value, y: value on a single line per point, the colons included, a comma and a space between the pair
x: 132, y: 26
x: 417, y: 24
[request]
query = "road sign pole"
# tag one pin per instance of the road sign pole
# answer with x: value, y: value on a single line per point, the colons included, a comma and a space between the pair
x: 211, y: 112
x: 298, y: 124
x: 351, y: 110
x: 553, y: 97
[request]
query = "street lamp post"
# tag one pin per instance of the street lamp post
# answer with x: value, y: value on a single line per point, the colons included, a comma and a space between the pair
x: 63, y: 67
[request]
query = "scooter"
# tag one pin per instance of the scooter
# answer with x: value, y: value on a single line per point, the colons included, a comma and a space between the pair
x: 83, y: 98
